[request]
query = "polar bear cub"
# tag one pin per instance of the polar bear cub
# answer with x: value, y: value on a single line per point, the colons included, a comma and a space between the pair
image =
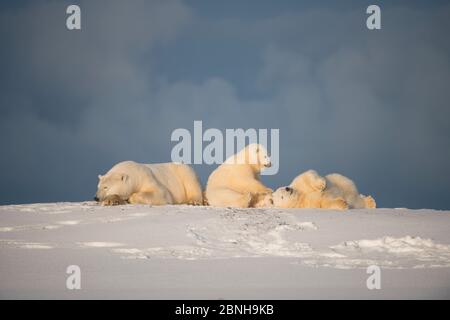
x: 310, y: 190
x: 155, y: 184
x: 236, y: 183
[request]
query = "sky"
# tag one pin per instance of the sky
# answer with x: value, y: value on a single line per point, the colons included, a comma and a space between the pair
x: 370, y: 104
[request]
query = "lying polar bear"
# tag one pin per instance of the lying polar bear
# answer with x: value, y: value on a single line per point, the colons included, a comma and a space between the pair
x: 309, y: 190
x: 235, y: 183
x: 155, y: 184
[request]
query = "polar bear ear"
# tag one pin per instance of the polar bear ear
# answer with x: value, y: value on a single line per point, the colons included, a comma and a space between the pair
x: 124, y: 177
x: 100, y: 177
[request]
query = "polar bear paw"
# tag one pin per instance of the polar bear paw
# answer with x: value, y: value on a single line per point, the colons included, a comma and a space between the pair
x: 341, y: 204
x: 247, y: 199
x: 113, y: 200
x: 319, y: 184
x: 337, y: 204
x: 369, y: 202
x: 196, y: 203
x: 262, y: 201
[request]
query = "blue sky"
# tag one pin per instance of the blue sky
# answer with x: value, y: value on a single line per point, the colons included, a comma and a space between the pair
x: 372, y: 105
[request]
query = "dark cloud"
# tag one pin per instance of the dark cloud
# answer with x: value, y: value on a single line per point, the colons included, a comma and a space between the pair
x: 75, y: 102
x: 370, y: 104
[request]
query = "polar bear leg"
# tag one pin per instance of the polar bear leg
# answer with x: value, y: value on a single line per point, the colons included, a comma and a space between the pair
x: 261, y: 200
x: 113, y: 200
x: 343, y: 183
x: 333, y: 203
x: 346, y: 188
x: 309, y: 181
x: 154, y: 198
x: 223, y: 197
x: 369, y: 202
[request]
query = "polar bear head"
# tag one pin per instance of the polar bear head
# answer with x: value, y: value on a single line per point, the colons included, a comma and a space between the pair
x: 113, y: 184
x: 254, y: 155
x: 286, y: 197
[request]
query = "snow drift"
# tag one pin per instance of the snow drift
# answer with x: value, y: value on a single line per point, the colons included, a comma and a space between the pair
x: 203, y: 252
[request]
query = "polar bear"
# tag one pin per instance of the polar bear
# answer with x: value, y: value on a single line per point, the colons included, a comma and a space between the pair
x: 236, y: 183
x: 155, y: 184
x: 310, y: 190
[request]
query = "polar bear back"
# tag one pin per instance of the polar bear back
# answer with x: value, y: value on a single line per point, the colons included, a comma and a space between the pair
x: 178, y: 179
x: 230, y: 176
x: 168, y: 175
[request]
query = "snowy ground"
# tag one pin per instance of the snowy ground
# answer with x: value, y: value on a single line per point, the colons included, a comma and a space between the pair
x: 183, y: 252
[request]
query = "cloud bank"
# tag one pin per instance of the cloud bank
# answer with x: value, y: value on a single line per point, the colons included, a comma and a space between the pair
x: 370, y: 104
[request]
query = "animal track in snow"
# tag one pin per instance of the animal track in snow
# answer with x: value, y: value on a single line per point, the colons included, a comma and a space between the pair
x: 245, y: 233
x: 386, y: 252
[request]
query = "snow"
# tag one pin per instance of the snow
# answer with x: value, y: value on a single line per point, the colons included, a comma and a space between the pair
x: 187, y: 252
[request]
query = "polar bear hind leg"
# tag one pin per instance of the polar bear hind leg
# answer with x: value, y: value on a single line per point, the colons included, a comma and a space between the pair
x: 309, y: 181
x: 262, y: 200
x: 345, y: 188
x: 157, y: 197
x: 343, y: 183
x: 369, y: 202
x: 349, y: 191
x: 333, y: 203
x: 224, y: 197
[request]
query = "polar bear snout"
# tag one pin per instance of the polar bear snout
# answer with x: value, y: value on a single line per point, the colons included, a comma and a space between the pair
x: 96, y: 199
x: 289, y: 189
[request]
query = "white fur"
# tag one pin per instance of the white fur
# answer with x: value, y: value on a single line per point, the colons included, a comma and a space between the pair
x: 236, y: 182
x: 156, y: 184
x: 309, y: 190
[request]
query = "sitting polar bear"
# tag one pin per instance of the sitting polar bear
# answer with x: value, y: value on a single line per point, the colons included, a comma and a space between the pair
x: 155, y: 184
x: 235, y: 183
x: 309, y: 190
